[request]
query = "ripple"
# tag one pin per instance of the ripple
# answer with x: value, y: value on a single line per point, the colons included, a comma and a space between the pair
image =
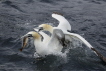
x: 7, y: 2
x: 94, y: 1
x: 47, y: 1
x: 103, y: 44
x: 29, y: 1
x: 11, y: 4
x: 103, y: 35
x: 12, y: 24
x: 7, y: 42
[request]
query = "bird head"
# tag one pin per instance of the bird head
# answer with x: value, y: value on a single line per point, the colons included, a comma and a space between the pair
x: 45, y: 27
x: 33, y: 34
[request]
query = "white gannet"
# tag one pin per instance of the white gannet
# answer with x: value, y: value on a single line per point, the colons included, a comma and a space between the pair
x: 56, y: 40
x: 37, y: 40
x: 53, y: 46
x: 49, y: 28
x: 67, y: 34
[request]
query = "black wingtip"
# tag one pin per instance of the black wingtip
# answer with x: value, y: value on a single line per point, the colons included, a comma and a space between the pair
x: 103, y: 58
x: 58, y: 13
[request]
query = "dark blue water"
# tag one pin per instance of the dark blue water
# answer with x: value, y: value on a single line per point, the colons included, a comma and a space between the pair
x: 17, y: 17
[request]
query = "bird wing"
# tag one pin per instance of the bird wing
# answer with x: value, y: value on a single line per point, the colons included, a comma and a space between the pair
x: 103, y: 58
x: 57, y: 40
x: 78, y: 37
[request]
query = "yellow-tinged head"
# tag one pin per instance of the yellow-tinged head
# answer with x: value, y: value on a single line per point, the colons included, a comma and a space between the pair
x: 46, y: 27
x: 33, y: 34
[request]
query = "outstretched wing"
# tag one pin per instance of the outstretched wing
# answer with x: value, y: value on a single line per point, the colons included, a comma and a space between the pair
x: 77, y: 37
x: 103, y: 58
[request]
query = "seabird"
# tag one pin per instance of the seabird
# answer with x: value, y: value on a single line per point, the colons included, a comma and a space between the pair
x: 37, y: 40
x: 56, y: 40
x: 67, y: 34
x: 44, y: 46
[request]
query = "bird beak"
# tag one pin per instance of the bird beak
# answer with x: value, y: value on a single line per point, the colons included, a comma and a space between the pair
x: 25, y: 41
x: 38, y: 29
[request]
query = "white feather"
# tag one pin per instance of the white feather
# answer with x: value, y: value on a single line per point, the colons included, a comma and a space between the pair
x: 63, y: 22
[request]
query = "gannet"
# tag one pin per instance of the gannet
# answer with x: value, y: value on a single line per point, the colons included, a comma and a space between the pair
x: 37, y: 40
x: 67, y: 34
x: 53, y: 46
x: 56, y: 40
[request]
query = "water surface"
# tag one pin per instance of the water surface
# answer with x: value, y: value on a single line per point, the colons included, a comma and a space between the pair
x: 17, y: 17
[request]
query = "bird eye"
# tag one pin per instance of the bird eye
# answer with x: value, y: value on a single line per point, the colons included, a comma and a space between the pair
x: 40, y: 29
x: 30, y: 35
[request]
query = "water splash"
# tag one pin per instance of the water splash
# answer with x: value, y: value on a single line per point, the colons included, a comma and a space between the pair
x: 62, y: 57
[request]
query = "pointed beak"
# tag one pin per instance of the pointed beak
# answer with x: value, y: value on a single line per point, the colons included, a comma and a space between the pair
x: 25, y: 41
x: 36, y: 29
